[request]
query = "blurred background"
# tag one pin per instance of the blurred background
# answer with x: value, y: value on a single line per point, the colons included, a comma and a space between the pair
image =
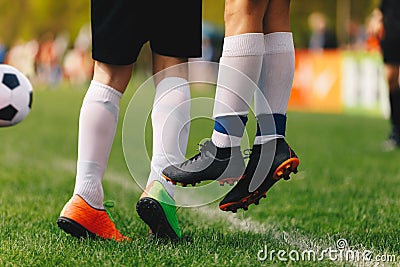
x: 338, y: 64
x: 346, y: 188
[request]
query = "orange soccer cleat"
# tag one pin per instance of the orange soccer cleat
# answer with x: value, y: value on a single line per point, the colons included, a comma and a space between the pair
x: 80, y: 219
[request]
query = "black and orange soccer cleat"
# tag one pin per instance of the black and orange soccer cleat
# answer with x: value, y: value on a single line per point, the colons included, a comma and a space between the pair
x: 226, y: 165
x: 262, y: 172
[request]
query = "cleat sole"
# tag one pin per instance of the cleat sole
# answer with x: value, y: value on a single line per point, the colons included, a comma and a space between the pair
x: 168, y: 179
x: 151, y: 212
x: 229, y: 181
x: 286, y: 168
x: 244, y: 203
x: 73, y: 228
x: 222, y: 182
x: 282, y: 171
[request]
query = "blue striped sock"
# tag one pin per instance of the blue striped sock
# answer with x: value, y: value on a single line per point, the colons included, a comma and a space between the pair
x: 228, y: 130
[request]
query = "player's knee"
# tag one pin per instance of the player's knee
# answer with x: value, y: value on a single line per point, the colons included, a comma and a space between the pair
x: 116, y: 76
x: 243, y: 16
x: 242, y: 10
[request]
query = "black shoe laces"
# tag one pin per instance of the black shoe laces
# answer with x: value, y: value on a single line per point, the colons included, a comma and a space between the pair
x: 203, y: 149
x: 247, y: 153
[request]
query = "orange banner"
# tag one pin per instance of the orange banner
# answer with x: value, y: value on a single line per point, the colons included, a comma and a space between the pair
x: 317, y: 82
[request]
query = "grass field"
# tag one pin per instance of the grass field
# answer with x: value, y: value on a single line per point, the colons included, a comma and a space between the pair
x: 346, y: 189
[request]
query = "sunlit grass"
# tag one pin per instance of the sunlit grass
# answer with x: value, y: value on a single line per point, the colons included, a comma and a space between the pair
x: 346, y: 188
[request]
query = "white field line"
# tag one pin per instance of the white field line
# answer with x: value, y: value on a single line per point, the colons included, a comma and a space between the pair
x: 300, y: 242
x: 234, y: 223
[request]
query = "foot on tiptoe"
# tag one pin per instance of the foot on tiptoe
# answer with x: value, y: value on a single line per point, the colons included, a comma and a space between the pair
x: 260, y: 175
x: 157, y: 209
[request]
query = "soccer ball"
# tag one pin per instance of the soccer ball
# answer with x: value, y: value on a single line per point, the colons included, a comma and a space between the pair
x: 15, y: 96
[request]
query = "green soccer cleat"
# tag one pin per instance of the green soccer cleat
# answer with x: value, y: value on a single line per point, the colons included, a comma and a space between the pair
x: 158, y: 210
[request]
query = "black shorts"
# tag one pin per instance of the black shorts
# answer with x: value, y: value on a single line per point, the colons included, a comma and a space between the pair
x: 121, y: 27
x: 390, y: 47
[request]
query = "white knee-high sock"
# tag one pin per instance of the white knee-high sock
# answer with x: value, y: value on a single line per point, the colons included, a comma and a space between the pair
x: 171, y: 124
x: 275, y: 84
x: 239, y: 72
x: 97, y: 124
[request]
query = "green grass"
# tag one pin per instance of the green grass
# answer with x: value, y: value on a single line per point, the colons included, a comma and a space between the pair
x: 346, y: 188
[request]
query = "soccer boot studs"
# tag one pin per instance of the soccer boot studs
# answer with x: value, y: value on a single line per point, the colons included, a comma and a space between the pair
x: 263, y: 170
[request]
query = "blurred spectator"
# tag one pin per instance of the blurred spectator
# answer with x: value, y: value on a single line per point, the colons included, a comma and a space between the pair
x: 49, y: 56
x: 3, y: 52
x: 321, y: 36
x: 78, y: 63
x: 373, y: 31
x: 212, y: 38
x: 22, y: 56
x: 207, y: 49
x: 357, y: 35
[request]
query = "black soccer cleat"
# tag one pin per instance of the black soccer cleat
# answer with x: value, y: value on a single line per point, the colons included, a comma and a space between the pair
x: 261, y: 175
x: 212, y: 163
x: 393, y: 141
x: 74, y: 228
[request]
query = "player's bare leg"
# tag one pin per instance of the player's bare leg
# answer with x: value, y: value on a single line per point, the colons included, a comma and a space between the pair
x: 221, y: 159
x: 271, y: 158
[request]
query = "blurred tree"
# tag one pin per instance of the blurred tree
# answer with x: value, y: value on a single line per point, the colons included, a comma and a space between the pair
x: 357, y: 10
x: 27, y: 19
x: 338, y: 13
x: 213, y: 11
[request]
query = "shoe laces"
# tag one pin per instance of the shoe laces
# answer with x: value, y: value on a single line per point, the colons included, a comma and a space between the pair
x: 203, y: 149
x: 247, y: 153
x: 108, y: 204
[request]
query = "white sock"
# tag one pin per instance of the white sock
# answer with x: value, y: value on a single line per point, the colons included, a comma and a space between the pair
x: 171, y: 124
x: 97, y: 124
x: 275, y: 82
x: 239, y: 72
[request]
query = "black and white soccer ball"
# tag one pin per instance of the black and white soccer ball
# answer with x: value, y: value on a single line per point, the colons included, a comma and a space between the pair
x: 15, y: 96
